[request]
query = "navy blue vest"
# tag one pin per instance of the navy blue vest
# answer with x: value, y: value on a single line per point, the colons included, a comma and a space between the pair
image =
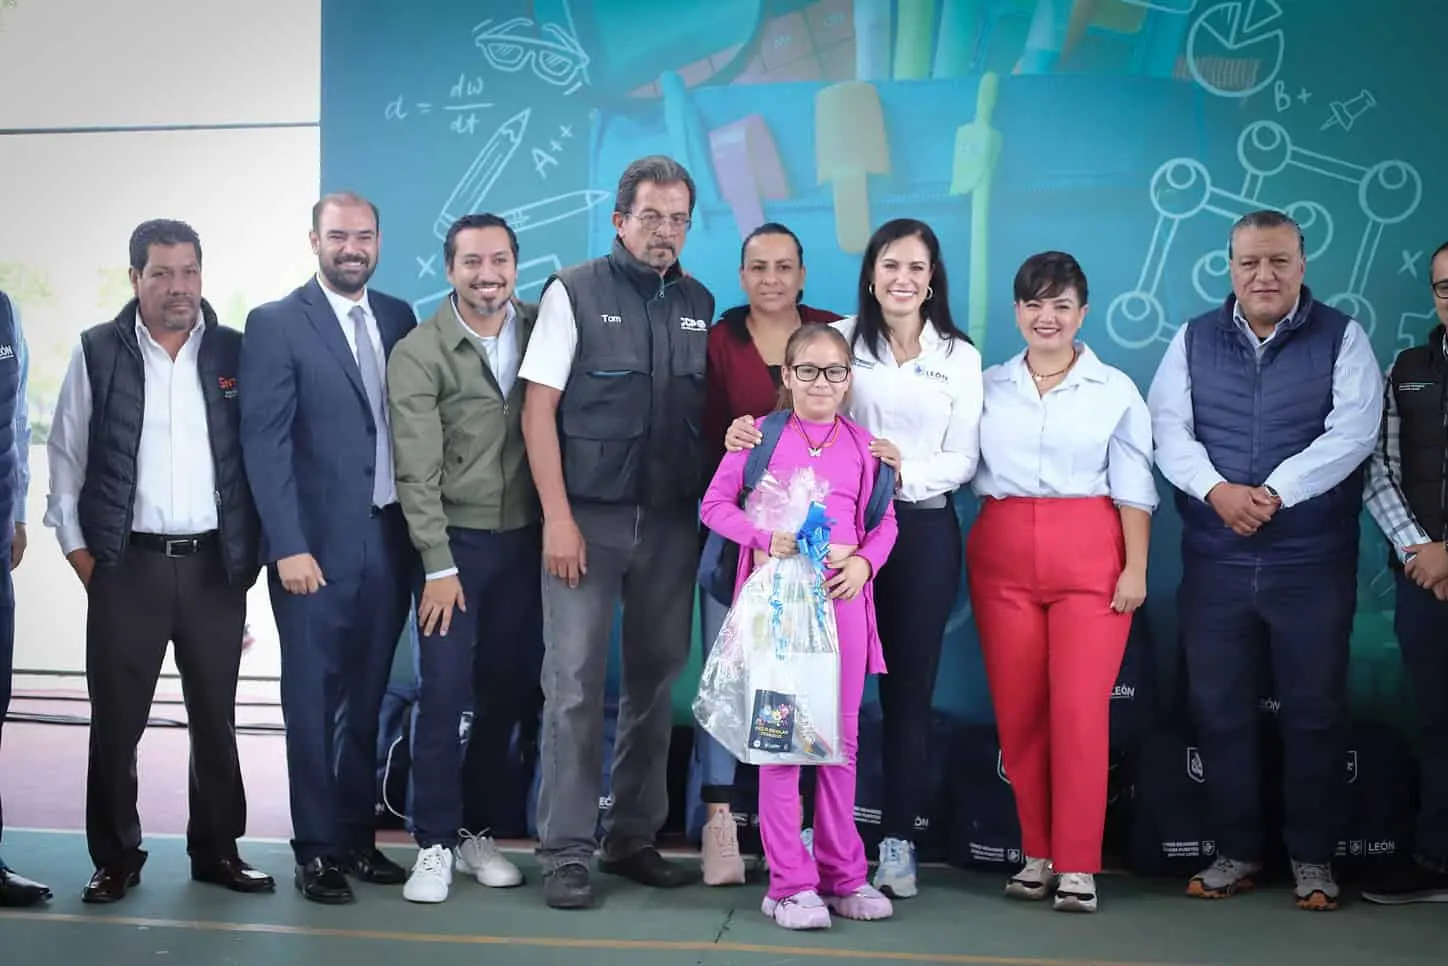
x: 9, y: 396
x: 1251, y: 415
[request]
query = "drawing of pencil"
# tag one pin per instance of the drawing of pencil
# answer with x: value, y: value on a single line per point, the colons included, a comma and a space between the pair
x: 546, y: 212
x: 472, y: 189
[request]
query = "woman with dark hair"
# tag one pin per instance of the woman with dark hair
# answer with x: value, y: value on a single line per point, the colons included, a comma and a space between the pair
x: 746, y: 352
x: 917, y: 389
x: 1057, y: 566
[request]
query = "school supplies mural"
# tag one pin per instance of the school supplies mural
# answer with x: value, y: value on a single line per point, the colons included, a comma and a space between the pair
x: 1130, y: 132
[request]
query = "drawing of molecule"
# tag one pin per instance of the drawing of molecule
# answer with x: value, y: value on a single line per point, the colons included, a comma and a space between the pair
x: 1388, y: 193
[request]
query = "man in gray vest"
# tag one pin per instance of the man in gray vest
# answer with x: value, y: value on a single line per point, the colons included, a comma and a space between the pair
x: 15, y: 889
x: 1265, y: 411
x: 149, y: 499
x: 615, y: 398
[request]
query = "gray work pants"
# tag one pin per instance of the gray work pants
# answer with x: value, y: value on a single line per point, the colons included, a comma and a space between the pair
x: 649, y: 561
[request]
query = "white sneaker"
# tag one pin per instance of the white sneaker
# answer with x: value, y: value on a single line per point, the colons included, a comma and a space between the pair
x: 1032, y: 882
x: 895, y: 875
x: 431, y: 876
x: 1076, y: 892
x: 479, y: 857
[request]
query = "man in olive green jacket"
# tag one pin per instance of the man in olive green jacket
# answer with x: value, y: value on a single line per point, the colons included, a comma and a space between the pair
x: 473, y: 514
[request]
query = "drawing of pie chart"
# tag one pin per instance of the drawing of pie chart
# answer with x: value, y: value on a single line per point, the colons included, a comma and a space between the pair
x: 1235, y: 49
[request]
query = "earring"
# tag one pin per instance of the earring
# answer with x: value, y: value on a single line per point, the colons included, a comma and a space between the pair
x: 872, y: 289
x: 929, y: 293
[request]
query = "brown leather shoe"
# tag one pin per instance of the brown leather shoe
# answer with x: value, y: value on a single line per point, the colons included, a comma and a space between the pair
x: 232, y: 873
x: 109, y: 885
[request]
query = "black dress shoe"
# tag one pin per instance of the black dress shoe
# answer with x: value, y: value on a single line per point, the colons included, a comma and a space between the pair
x: 109, y: 885
x: 17, y: 892
x: 232, y: 873
x: 568, y: 887
x: 648, y: 867
x: 322, y: 880
x: 372, y: 866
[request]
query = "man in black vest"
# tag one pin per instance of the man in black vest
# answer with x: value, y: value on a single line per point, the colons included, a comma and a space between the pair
x: 149, y: 500
x: 1407, y: 495
x: 15, y: 889
x: 611, y: 421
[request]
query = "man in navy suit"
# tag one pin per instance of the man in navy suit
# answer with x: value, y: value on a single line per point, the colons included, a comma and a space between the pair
x: 318, y: 454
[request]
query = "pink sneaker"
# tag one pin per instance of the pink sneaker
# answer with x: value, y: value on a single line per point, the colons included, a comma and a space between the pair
x: 803, y: 910
x: 865, y: 903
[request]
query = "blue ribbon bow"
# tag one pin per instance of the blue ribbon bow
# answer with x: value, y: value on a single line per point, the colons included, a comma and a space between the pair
x: 813, y: 539
x: 813, y: 536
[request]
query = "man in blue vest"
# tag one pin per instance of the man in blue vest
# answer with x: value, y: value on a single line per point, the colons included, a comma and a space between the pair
x: 1265, y: 411
x: 611, y: 416
x: 15, y: 889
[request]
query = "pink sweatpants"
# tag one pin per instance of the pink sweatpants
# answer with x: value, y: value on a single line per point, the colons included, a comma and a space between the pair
x: 838, y: 866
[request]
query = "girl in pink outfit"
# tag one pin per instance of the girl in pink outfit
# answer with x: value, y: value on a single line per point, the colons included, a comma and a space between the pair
x: 804, y: 888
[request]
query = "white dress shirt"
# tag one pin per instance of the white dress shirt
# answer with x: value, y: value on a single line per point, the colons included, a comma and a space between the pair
x: 501, y: 350
x: 175, y: 475
x: 341, y: 306
x: 1088, y: 436
x: 928, y: 407
x: 1349, y: 435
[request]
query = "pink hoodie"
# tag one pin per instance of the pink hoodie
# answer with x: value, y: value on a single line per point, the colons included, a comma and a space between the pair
x: 720, y: 512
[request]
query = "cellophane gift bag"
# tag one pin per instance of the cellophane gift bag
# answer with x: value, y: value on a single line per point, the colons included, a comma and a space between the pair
x: 770, y: 690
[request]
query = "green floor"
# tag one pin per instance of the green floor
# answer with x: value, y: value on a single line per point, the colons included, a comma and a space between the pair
x: 958, y: 918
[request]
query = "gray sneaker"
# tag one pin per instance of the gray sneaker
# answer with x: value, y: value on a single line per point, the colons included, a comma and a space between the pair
x: 1316, y: 888
x: 1223, y: 878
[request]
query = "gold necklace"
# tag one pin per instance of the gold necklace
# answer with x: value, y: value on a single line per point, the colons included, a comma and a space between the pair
x: 1043, y: 376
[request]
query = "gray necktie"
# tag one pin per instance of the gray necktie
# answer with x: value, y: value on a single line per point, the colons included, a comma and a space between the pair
x: 372, y: 382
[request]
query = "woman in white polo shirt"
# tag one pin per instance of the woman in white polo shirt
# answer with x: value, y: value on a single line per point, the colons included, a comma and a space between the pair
x: 1057, y: 565
x: 917, y: 389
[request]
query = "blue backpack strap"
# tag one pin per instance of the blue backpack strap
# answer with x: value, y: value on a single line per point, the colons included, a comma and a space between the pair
x: 880, y: 496
x: 772, y: 426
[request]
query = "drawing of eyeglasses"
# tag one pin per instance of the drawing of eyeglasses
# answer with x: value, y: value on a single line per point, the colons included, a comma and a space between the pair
x: 512, y: 45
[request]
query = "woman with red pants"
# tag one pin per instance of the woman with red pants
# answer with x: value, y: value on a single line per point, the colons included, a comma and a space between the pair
x: 1056, y: 566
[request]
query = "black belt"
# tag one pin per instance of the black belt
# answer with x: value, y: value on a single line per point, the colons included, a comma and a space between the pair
x: 173, y: 546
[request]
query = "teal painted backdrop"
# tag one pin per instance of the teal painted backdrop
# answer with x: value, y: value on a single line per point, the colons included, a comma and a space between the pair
x: 1129, y: 132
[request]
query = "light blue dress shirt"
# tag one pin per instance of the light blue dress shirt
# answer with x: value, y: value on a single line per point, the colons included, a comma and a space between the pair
x: 1348, y: 438
x: 22, y: 420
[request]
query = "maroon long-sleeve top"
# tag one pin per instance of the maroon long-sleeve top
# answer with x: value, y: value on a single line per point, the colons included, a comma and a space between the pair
x: 738, y: 382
